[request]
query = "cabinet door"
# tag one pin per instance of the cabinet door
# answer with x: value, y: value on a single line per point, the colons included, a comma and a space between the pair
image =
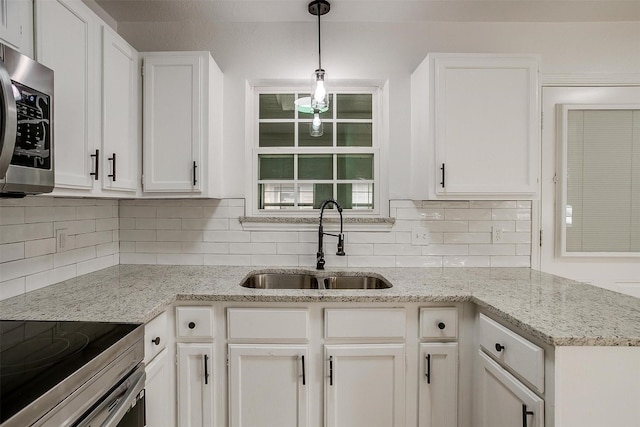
x: 119, y: 113
x: 10, y: 32
x: 268, y: 385
x: 173, y: 91
x: 67, y: 42
x: 158, y: 405
x: 486, y: 125
x: 365, y: 385
x: 503, y: 400
x: 438, y: 401
x: 195, y: 385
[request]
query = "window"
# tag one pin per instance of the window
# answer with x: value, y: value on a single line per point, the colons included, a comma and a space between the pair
x: 296, y: 171
x: 600, y: 176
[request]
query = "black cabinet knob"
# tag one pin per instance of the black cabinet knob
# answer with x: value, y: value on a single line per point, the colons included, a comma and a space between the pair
x: 156, y: 340
x: 192, y: 325
x: 499, y: 347
x: 441, y: 325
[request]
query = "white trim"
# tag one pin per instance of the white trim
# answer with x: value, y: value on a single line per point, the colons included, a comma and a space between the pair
x: 590, y: 79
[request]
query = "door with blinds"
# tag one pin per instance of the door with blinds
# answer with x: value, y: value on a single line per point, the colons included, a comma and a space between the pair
x: 590, y: 197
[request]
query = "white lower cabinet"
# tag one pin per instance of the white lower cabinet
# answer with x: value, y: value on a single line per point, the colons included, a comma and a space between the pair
x: 365, y: 385
x: 438, y: 391
x: 268, y: 385
x: 195, y: 384
x: 503, y: 400
x: 158, y: 405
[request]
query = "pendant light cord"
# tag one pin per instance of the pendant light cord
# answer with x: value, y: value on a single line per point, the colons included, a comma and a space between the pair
x: 319, y: 43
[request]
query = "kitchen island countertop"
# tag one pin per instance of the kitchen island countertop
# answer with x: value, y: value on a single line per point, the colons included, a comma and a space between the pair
x: 559, y: 311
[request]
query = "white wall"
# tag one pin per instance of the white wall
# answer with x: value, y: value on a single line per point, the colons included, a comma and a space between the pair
x: 381, y: 51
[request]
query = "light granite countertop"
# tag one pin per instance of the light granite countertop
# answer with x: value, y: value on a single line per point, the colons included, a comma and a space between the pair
x: 559, y: 311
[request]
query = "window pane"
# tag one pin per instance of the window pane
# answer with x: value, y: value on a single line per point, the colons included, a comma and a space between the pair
x: 351, y: 106
x: 308, y: 115
x: 312, y: 195
x: 276, y: 106
x: 355, y: 196
x: 306, y: 140
x: 603, y: 174
x: 354, y: 135
x: 355, y: 166
x: 276, y: 134
x: 275, y: 166
x: 315, y: 166
x: 276, y: 196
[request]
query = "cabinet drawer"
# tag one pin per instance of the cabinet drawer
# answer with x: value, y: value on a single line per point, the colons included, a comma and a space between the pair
x: 155, y: 337
x: 194, y: 322
x: 514, y: 351
x: 438, y: 322
x: 389, y: 323
x: 268, y: 324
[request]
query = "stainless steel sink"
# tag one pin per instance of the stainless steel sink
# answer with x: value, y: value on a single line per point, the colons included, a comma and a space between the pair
x: 281, y: 281
x: 355, y: 282
x: 308, y: 281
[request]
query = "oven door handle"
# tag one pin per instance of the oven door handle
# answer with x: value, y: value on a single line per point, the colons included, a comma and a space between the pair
x: 118, y: 402
x: 10, y: 118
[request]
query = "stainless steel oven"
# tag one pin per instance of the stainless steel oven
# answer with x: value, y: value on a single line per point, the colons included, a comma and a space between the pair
x: 26, y: 125
x: 71, y: 374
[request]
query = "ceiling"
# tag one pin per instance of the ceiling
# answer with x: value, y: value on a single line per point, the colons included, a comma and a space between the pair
x: 229, y: 11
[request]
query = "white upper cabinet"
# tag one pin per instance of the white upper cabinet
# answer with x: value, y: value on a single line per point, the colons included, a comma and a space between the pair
x: 67, y: 42
x: 182, y: 124
x: 16, y: 25
x: 96, y: 103
x: 475, y: 127
x: 120, y: 113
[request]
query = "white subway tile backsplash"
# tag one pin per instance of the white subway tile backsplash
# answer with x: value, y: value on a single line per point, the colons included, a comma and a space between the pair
x: 204, y: 248
x: 74, y: 256
x: 523, y: 226
x: 370, y: 261
x: 419, y: 261
x: 510, y: 261
x: 226, y: 236
x: 296, y: 248
x: 39, y: 247
x: 511, y: 214
x: 93, y: 239
x: 49, y: 277
x: 446, y: 226
x: 467, y: 214
x: 12, y: 288
x: 76, y: 227
x: 107, y: 249
x: 364, y: 249
x: 127, y: 246
x: 398, y: 249
x: 274, y: 260
x: 466, y: 261
x: 252, y: 248
x: 492, y: 249
x: 159, y: 247
x: 11, y: 215
x: 104, y: 224
x: 86, y: 212
x: 182, y: 259
x: 467, y: 238
x: 24, y: 232
x: 179, y: 235
x: 445, y: 250
x: 12, y: 251
x: 523, y: 249
x: 223, y: 259
x: 24, y: 267
x: 493, y: 204
x: 137, y: 258
x: 138, y: 236
x: 158, y: 224
x: 268, y: 236
x: 205, y: 224
x: 95, y: 264
x: 137, y: 211
x: 180, y: 212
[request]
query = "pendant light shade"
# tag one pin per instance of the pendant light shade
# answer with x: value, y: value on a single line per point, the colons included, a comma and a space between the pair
x: 319, y: 96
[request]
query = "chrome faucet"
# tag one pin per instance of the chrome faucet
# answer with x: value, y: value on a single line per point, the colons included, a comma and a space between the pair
x: 321, y: 233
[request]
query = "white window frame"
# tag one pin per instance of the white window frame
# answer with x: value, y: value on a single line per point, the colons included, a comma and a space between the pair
x: 562, y: 174
x: 378, y: 148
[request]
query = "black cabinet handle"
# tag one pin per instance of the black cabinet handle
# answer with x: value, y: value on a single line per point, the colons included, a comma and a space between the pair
x: 499, y: 347
x: 97, y: 163
x: 156, y: 340
x: 195, y: 181
x: 330, y: 370
x: 442, y: 182
x: 113, y: 159
x: 206, y: 369
x: 441, y: 325
x: 428, y: 371
x: 304, y: 378
x: 191, y: 325
x: 524, y: 415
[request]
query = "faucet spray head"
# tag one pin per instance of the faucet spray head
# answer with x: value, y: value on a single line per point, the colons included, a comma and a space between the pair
x: 340, y: 245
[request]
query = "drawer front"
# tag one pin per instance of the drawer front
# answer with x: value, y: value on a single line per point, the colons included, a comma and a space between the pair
x: 194, y: 322
x: 514, y: 351
x: 268, y: 324
x: 438, y: 322
x: 155, y: 337
x: 385, y: 323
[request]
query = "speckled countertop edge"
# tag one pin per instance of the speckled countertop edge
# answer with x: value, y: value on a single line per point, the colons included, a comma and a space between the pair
x: 558, y: 311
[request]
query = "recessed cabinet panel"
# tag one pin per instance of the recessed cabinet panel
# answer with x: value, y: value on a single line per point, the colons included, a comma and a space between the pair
x: 196, y: 382
x: 438, y: 322
x: 389, y: 323
x: 194, y: 322
x: 155, y: 336
x: 505, y: 401
x: 283, y: 325
x: 438, y: 389
x: 67, y: 40
x: 475, y: 123
x: 158, y: 402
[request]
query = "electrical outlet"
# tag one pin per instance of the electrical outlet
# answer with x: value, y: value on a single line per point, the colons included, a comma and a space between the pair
x: 61, y: 238
x: 496, y: 235
x: 420, y: 236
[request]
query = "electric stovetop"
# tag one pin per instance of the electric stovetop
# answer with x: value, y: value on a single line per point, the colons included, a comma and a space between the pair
x: 36, y: 356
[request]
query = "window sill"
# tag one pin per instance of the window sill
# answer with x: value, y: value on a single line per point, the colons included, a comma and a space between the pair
x: 275, y: 223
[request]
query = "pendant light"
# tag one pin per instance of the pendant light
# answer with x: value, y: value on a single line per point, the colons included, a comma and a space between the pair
x: 319, y: 96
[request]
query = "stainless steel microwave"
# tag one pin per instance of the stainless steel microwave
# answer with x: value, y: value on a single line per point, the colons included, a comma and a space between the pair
x: 26, y: 125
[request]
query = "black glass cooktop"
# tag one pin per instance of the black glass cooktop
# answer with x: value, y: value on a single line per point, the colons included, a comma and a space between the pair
x: 35, y: 356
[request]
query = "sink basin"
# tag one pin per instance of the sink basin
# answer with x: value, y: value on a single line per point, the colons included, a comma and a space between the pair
x: 355, y: 282
x: 281, y: 281
x: 309, y: 281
